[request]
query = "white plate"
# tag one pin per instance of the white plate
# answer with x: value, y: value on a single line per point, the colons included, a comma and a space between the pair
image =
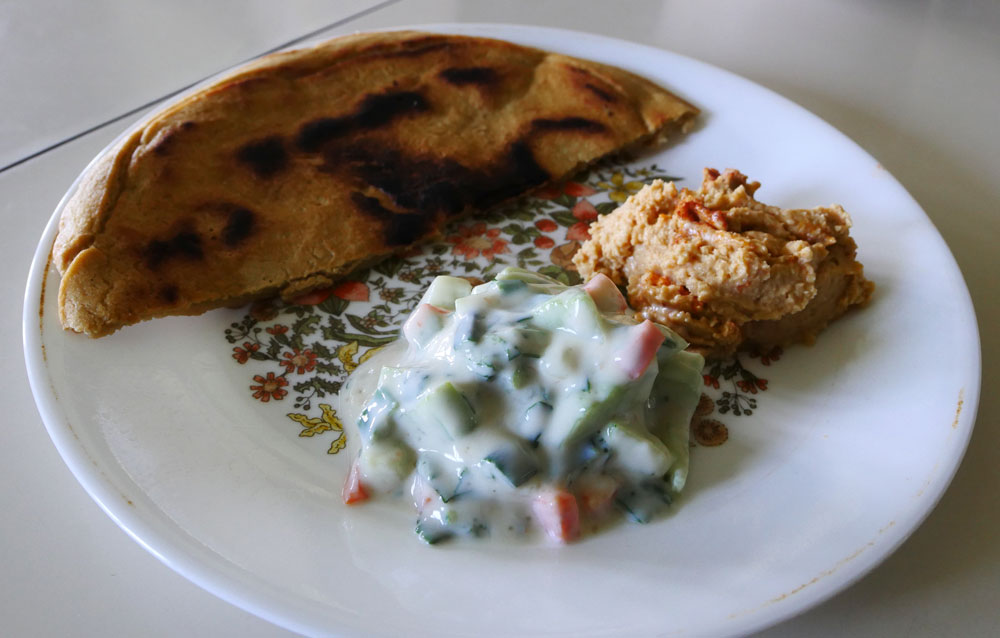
x: 849, y: 449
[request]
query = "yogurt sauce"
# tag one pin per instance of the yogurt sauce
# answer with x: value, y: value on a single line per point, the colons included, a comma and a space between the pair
x: 522, y: 405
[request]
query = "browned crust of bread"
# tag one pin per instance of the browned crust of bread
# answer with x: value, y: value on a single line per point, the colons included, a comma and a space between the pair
x: 292, y: 170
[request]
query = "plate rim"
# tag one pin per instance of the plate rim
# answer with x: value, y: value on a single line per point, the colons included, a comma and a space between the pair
x: 248, y: 593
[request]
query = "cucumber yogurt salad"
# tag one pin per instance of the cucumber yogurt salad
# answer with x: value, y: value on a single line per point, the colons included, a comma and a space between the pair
x: 522, y: 407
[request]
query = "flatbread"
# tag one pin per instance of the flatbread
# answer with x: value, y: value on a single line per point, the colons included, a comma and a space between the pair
x: 297, y: 168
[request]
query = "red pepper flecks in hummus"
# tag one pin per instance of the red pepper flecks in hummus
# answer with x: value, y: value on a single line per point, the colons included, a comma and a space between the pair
x: 724, y: 270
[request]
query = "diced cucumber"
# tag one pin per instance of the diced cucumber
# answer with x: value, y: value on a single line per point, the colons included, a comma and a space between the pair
x: 681, y: 371
x: 572, y: 310
x: 593, y: 452
x: 508, y: 286
x: 520, y: 274
x: 643, y: 501
x: 489, y: 289
x: 423, y: 324
x: 672, y: 344
x: 399, y: 383
x: 432, y: 531
x: 445, y: 522
x: 574, y: 421
x: 386, y: 462
x: 505, y: 348
x: 480, y: 360
x: 449, y: 407
x: 469, y: 328
x: 532, y: 342
x: 536, y: 418
x: 484, y: 367
x: 675, y: 396
x: 442, y: 474
x: 376, y: 421
x: 474, y: 303
x: 526, y: 339
x: 536, y: 282
x: 636, y: 451
x: 564, y: 363
x: 488, y: 356
x: 522, y: 376
x: 444, y: 290
x: 514, y: 462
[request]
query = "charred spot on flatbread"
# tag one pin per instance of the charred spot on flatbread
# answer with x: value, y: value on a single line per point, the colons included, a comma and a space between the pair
x: 374, y: 111
x: 517, y: 172
x: 169, y: 294
x: 185, y: 244
x: 478, y: 75
x: 265, y: 157
x: 399, y: 229
x: 239, y: 226
x: 427, y: 188
x: 413, y: 182
x: 599, y: 92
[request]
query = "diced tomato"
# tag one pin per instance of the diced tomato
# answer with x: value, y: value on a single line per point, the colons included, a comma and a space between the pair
x: 644, y: 340
x: 558, y: 514
x: 354, y: 490
x: 605, y: 294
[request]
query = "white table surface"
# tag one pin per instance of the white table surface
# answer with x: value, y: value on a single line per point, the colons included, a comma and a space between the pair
x: 916, y: 83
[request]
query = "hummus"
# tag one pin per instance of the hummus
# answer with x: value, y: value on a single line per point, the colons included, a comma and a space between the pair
x: 724, y: 270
